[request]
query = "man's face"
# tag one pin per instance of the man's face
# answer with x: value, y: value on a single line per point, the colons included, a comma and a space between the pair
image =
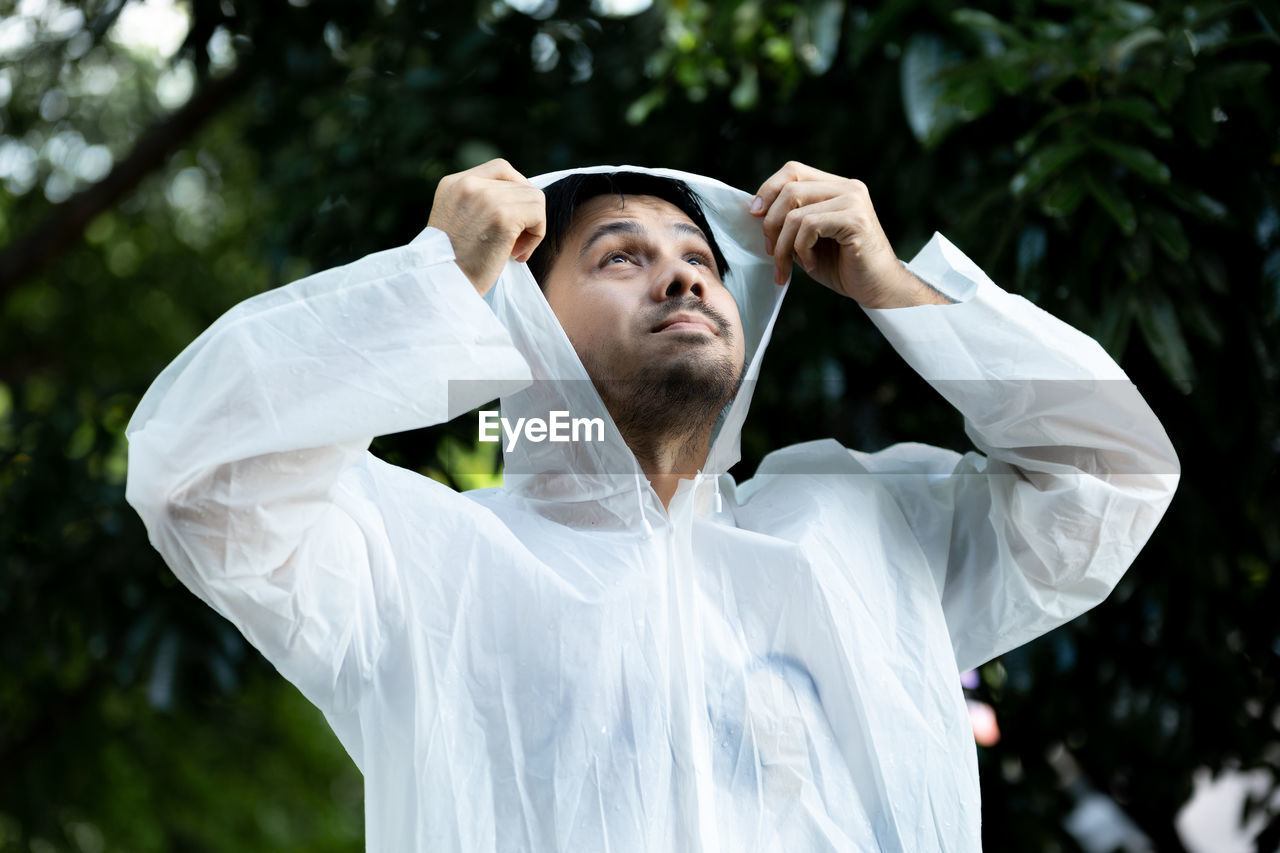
x: 636, y: 289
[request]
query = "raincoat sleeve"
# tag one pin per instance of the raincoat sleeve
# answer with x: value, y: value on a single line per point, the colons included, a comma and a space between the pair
x: 1074, y: 472
x: 247, y: 456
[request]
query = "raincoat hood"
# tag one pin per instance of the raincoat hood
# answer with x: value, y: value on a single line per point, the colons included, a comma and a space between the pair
x: 606, y: 473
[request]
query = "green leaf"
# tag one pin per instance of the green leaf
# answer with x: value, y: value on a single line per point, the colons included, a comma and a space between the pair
x: 1112, y: 329
x: 747, y: 91
x: 1204, y: 325
x: 1212, y: 272
x: 984, y: 22
x: 778, y: 50
x: 928, y: 116
x: 1139, y: 109
x: 1194, y: 201
x: 1168, y: 86
x: 1198, y: 108
x: 1236, y: 75
x: 873, y: 29
x: 816, y: 33
x: 1043, y: 165
x: 1027, y: 140
x: 1032, y: 243
x: 1063, y: 196
x: 1141, y: 161
x: 1129, y: 13
x: 1011, y: 74
x: 645, y: 104
x: 1167, y: 230
x: 1135, y: 256
x: 1271, y: 282
x: 971, y: 98
x: 470, y: 466
x: 1116, y: 205
x: 1269, y: 16
x: 1162, y: 332
x: 1122, y: 50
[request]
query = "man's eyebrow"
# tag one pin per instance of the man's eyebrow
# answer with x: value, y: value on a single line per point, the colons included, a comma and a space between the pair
x: 694, y: 230
x: 618, y: 226
x: 630, y: 226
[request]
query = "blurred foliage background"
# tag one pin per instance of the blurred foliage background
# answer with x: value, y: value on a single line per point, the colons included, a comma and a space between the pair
x: 1114, y: 162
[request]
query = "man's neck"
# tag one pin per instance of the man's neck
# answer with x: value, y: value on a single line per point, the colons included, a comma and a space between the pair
x: 668, y: 460
x: 667, y: 425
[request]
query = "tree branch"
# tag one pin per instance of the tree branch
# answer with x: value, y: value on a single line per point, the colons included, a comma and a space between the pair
x: 65, y: 223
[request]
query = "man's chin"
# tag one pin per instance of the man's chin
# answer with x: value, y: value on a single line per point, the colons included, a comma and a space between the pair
x: 672, y: 393
x: 693, y: 378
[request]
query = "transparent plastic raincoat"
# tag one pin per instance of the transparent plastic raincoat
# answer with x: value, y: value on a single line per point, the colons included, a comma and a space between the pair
x: 562, y: 664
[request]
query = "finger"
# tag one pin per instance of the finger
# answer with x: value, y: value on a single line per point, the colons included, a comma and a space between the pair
x: 835, y: 219
x: 784, y: 249
x: 797, y: 195
x: 789, y: 173
x: 525, y: 245
x: 498, y: 169
x: 831, y: 221
x: 534, y: 225
x: 519, y: 213
x: 503, y: 220
x: 483, y: 193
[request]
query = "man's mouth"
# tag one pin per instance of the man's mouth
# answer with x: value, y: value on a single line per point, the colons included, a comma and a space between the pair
x: 689, y: 321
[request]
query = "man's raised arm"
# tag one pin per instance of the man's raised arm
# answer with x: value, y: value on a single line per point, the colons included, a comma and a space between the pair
x: 1075, y: 470
x: 247, y: 456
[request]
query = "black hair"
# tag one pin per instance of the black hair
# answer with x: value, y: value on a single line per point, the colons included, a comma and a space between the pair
x: 566, y: 194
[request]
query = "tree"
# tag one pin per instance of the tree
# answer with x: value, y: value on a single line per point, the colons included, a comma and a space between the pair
x: 1113, y: 162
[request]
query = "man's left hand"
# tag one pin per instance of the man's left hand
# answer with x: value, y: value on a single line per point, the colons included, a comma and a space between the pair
x: 827, y: 224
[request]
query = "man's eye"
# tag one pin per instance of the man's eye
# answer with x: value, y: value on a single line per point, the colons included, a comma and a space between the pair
x: 617, y: 256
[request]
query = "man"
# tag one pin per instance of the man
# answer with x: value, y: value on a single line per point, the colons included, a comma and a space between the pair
x: 621, y: 648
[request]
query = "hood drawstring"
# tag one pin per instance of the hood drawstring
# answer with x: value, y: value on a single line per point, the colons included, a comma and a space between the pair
x: 644, y: 521
x: 717, y: 502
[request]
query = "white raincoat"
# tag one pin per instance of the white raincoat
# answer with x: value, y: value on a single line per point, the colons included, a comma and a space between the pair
x: 562, y: 664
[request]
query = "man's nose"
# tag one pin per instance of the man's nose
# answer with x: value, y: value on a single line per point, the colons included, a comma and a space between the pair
x: 680, y: 279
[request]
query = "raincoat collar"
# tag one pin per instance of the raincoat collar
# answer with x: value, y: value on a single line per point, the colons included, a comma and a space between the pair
x: 600, y: 483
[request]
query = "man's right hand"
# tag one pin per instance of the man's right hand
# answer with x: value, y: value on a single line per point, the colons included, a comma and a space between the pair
x: 491, y: 213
